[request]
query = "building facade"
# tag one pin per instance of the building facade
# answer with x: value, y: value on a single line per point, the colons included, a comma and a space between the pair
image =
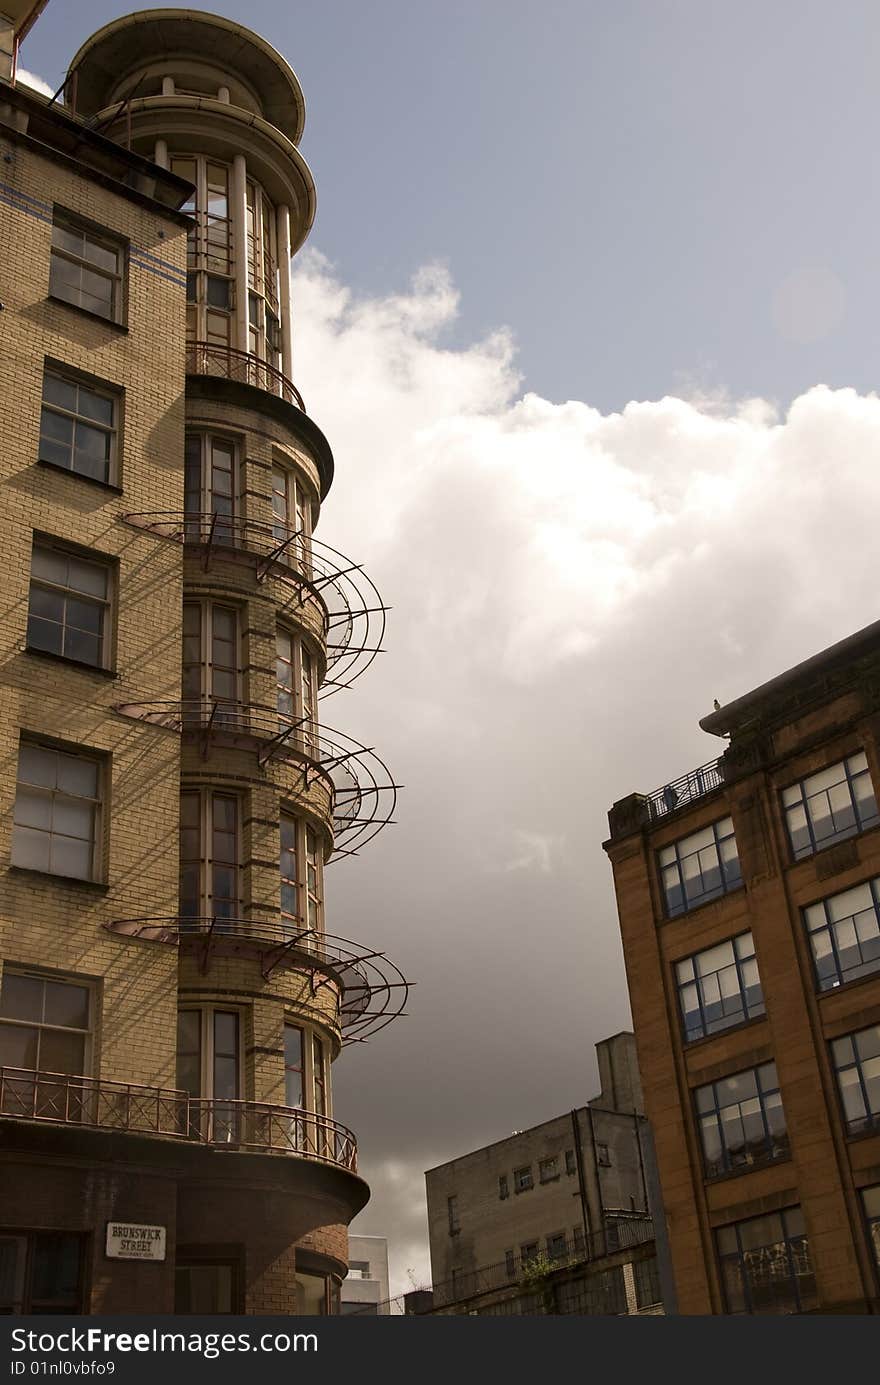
x: 171, y: 999
x: 366, y: 1292
x: 749, y: 898
x: 569, y: 1201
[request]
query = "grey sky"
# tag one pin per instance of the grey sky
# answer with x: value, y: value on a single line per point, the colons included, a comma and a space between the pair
x: 654, y: 198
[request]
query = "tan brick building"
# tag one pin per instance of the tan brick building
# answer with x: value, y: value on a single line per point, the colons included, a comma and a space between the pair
x: 170, y: 1000
x: 749, y: 901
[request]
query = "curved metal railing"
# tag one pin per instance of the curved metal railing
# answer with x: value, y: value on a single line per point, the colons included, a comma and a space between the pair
x: 372, y: 989
x: 260, y: 1126
x: 364, y: 792
x: 211, y: 358
x: 351, y: 607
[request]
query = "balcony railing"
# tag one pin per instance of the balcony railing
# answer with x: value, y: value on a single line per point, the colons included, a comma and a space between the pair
x: 344, y: 598
x: 94, y: 1103
x: 208, y: 358
x: 363, y: 791
x: 686, y: 789
x: 372, y: 990
x: 628, y: 1233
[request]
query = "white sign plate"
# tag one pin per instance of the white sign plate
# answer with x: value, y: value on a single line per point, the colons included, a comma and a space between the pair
x: 133, y: 1241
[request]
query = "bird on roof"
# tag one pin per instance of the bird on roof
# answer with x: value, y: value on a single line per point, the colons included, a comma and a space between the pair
x: 716, y: 704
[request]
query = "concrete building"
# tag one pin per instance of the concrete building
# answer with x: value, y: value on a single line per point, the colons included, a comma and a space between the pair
x: 366, y: 1291
x: 171, y: 1000
x: 574, y: 1191
x: 749, y: 900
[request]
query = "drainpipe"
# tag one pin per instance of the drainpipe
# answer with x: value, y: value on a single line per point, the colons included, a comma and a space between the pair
x: 582, y: 1185
x: 596, y: 1172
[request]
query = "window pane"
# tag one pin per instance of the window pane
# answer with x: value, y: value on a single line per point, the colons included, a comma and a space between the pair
x: 60, y: 1052
x: 66, y: 1004
x: 77, y: 775
x: 70, y: 857
x: 21, y: 997
x: 30, y: 849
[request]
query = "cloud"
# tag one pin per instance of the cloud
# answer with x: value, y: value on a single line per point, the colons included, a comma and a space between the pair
x: 30, y: 79
x: 570, y: 591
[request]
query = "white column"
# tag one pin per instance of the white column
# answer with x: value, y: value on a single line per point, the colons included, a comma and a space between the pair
x: 283, y: 237
x: 223, y: 95
x: 239, y: 249
x: 167, y: 86
x: 160, y: 154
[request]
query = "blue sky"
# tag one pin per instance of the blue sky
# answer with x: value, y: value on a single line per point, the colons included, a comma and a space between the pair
x: 627, y: 184
x: 523, y: 204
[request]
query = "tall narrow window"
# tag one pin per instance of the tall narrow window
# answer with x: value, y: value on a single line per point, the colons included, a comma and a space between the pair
x: 296, y: 688
x: 290, y: 914
x: 210, y: 291
x: 209, y: 857
x: 319, y: 1071
x: 209, y: 486
x: 452, y: 1215
x: 301, y: 878
x: 209, y: 1070
x: 69, y: 606
x: 210, y: 657
x: 78, y: 427
x: 86, y: 268
x: 314, y: 888
x: 292, y: 515
x: 294, y: 1066
x: 57, y: 809
x: 308, y: 694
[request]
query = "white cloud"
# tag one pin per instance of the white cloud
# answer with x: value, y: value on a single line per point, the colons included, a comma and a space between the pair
x: 570, y: 590
x: 30, y: 79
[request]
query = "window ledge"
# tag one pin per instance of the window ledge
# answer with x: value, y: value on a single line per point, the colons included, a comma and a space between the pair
x: 97, y: 886
x: 79, y: 476
x: 704, y: 904
x: 850, y: 985
x: 871, y: 1133
x: 691, y: 1045
x: 71, y: 663
x: 119, y: 327
x: 711, y: 1179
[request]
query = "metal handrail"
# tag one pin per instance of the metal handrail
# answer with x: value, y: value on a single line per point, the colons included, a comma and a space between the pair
x: 95, y: 1103
x: 373, y: 989
x: 618, y: 1236
x: 686, y: 789
x: 351, y: 609
x: 230, y: 363
x: 364, y: 794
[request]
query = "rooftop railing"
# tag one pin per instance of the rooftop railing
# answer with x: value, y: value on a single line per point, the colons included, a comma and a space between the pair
x: 687, y: 789
x: 256, y: 1126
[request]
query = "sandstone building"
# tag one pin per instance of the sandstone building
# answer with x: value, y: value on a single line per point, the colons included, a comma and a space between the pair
x: 749, y: 901
x: 171, y: 1001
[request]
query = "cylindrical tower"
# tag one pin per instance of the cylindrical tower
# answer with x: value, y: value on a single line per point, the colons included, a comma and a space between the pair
x: 271, y: 620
